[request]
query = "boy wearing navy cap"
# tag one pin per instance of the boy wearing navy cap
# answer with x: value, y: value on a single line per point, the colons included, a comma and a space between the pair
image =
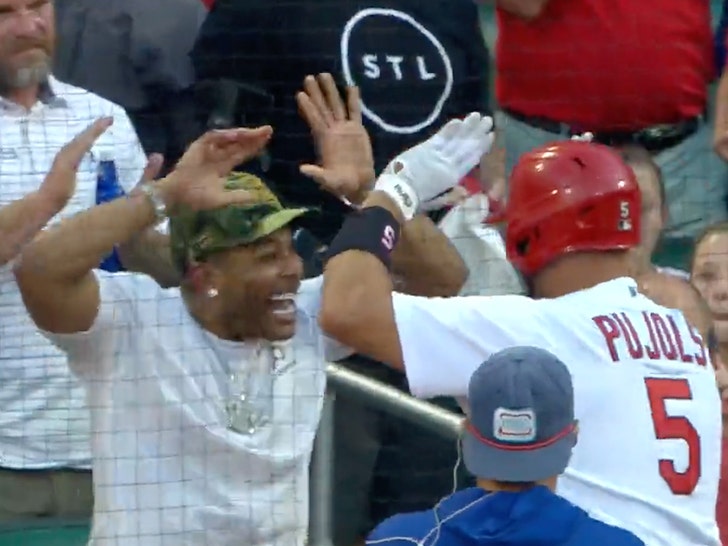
x: 517, y: 441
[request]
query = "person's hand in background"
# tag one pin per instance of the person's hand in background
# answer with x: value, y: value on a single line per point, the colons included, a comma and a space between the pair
x: 346, y: 162
x: 492, y: 173
x: 452, y: 198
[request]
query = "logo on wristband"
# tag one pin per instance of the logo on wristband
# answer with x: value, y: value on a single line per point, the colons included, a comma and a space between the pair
x: 389, y: 237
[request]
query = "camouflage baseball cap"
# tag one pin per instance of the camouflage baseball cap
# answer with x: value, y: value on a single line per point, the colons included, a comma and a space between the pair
x: 195, y: 235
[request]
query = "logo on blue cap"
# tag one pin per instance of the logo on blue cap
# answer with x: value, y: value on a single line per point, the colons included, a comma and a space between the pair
x: 514, y: 425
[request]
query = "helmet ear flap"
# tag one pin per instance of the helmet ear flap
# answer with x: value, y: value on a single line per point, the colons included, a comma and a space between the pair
x: 525, y: 243
x: 523, y: 249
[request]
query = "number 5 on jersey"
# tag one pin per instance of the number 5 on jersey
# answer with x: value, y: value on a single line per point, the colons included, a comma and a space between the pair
x: 659, y: 391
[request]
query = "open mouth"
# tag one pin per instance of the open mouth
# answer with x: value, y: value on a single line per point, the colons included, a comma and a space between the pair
x: 283, y: 305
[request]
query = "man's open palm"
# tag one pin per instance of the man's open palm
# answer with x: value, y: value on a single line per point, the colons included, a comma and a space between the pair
x: 346, y: 166
x: 225, y: 148
x: 198, y: 180
x: 60, y: 182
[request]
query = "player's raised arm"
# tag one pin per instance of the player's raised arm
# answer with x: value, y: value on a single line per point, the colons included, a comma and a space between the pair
x: 357, y: 306
x: 424, y: 262
x: 55, y: 272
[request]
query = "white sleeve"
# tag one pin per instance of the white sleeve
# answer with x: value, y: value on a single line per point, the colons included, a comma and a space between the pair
x: 92, y: 353
x: 444, y: 340
x: 309, y: 301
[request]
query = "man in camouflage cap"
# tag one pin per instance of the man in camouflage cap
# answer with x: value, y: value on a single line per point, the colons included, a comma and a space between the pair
x: 240, y: 257
x: 209, y: 395
x: 196, y: 235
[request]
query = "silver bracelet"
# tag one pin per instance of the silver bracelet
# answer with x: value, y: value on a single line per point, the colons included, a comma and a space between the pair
x: 152, y: 195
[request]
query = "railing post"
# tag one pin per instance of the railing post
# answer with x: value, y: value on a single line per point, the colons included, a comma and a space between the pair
x: 322, y: 479
x: 344, y: 382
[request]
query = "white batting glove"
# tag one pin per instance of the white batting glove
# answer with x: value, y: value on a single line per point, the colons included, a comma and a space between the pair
x: 420, y: 174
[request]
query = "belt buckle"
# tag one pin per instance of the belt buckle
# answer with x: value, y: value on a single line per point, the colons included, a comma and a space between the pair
x: 657, y: 132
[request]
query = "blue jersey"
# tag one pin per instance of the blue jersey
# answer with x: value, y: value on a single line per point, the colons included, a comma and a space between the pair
x: 475, y: 517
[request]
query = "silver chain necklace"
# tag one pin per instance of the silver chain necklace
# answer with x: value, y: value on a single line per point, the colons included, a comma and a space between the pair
x: 249, y: 405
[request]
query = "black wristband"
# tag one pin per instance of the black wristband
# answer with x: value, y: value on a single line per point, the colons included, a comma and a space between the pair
x: 373, y: 229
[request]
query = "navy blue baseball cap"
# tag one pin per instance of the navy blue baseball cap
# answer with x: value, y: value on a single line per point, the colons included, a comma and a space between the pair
x: 521, y: 426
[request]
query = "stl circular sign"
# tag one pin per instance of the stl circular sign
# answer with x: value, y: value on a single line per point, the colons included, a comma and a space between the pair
x: 403, y: 71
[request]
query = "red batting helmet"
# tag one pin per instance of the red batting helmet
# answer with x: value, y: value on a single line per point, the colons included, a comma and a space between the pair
x: 569, y: 197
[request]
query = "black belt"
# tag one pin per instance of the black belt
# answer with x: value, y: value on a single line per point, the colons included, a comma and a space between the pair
x: 655, y: 138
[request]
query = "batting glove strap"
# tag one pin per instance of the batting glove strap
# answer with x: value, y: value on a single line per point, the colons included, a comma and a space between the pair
x: 401, y: 192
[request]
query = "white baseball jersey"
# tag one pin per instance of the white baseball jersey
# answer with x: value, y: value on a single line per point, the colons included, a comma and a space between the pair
x: 648, y: 453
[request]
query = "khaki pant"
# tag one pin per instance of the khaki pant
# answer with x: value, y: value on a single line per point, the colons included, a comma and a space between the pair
x: 31, y: 494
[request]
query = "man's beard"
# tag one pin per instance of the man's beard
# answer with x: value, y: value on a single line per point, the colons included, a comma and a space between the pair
x: 21, y: 78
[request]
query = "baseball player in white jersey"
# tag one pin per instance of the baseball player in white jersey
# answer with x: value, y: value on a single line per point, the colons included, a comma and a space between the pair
x: 649, y: 455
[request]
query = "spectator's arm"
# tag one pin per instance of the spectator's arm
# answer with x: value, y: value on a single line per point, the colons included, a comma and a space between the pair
x: 23, y: 219
x: 147, y: 252
x: 356, y: 305
x: 425, y: 261
x: 55, y: 275
x: 526, y: 9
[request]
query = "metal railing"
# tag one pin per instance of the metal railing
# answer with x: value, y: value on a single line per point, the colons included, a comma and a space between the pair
x: 374, y: 394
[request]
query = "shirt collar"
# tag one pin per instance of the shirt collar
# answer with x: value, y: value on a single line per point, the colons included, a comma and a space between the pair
x: 49, y: 94
x: 618, y: 287
x: 621, y: 283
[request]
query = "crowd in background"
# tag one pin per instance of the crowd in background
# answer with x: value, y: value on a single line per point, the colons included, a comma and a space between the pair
x: 167, y: 70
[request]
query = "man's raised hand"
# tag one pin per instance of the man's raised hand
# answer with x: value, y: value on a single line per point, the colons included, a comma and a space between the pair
x: 346, y: 164
x: 198, y: 180
x: 60, y: 182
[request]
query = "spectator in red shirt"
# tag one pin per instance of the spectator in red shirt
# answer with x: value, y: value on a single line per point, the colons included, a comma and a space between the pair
x: 629, y: 72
